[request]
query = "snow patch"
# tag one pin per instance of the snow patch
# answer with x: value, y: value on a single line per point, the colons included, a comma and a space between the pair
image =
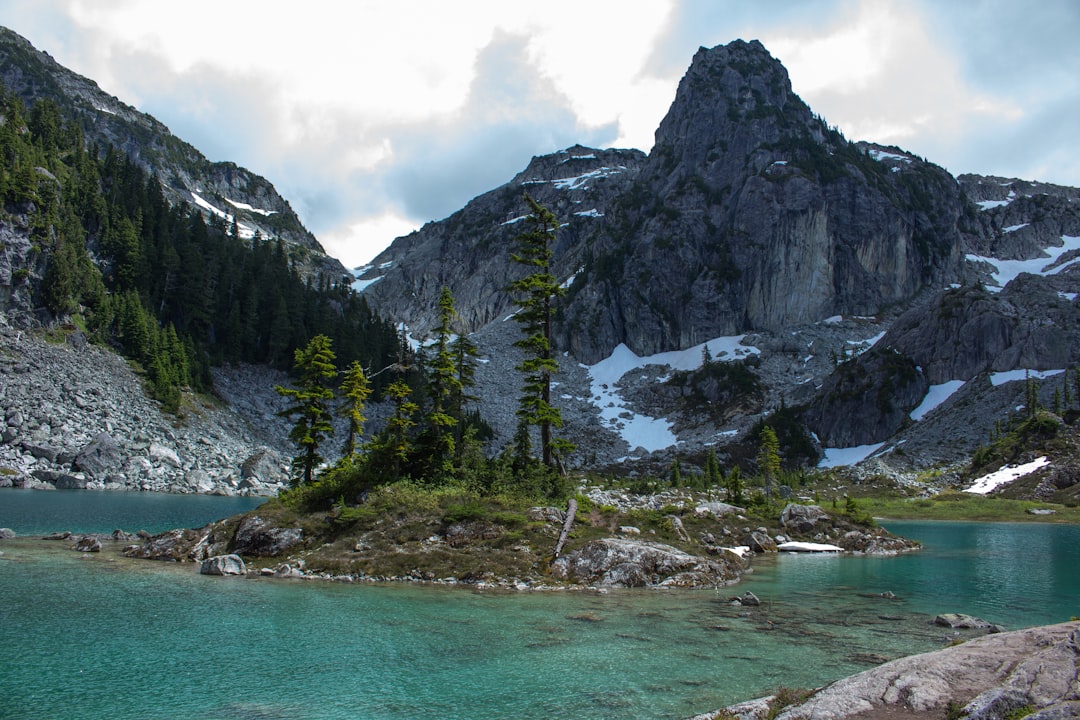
x: 1014, y: 228
x: 1000, y: 378
x: 880, y: 155
x: 518, y: 219
x: 808, y: 547
x: 992, y: 481
x: 362, y: 285
x: 580, y: 182
x: 838, y: 457
x: 639, y: 430
x: 594, y: 213
x: 1007, y: 270
x: 935, y: 396
x: 245, y: 206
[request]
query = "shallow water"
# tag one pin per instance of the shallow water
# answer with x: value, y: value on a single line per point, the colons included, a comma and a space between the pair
x: 107, y: 637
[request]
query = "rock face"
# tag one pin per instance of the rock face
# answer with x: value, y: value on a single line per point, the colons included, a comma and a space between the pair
x: 620, y: 562
x: 749, y: 213
x: 1038, y: 667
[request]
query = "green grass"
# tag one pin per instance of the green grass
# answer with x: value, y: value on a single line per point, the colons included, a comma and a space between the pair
x: 966, y: 506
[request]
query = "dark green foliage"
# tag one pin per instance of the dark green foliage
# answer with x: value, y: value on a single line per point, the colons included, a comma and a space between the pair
x: 535, y: 297
x: 227, y: 299
x: 310, y: 405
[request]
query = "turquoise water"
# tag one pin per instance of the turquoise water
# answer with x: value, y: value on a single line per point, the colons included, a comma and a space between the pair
x: 106, y: 637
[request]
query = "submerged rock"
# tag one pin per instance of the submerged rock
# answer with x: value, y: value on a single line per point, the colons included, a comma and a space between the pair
x: 961, y: 621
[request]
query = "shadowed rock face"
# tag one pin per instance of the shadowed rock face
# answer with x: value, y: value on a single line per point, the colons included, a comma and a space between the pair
x: 748, y: 213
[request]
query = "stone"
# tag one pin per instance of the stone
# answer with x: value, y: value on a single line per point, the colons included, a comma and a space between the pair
x: 622, y: 562
x: 264, y: 464
x: 87, y: 543
x: 760, y: 542
x: 802, y: 518
x: 101, y: 456
x: 223, y: 565
x: 162, y: 455
x: 717, y: 509
x: 60, y: 480
x: 199, y: 481
x: 959, y: 621
x: 6, y: 533
x: 747, y: 599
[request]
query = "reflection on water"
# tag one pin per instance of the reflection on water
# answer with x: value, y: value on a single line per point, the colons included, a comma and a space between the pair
x: 130, y: 639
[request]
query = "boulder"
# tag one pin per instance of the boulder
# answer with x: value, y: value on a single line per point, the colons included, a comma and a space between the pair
x: 959, y: 621
x: 264, y: 464
x: 223, y: 565
x: 101, y: 456
x: 759, y: 542
x: 87, y: 543
x: 162, y: 455
x: 802, y: 518
x: 621, y: 562
x: 717, y: 509
x: 257, y: 538
x: 747, y: 599
x: 199, y: 481
x: 6, y: 533
x: 60, y: 480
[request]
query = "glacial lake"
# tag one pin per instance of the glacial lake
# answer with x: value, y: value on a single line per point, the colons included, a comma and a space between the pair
x: 106, y: 637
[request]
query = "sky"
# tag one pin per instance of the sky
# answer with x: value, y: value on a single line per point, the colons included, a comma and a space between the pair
x: 372, y: 118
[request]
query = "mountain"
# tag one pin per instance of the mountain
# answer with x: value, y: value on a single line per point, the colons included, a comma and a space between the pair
x: 218, y: 189
x: 754, y: 227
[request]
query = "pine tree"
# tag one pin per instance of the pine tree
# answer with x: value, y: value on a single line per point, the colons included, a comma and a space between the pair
x: 676, y: 472
x: 536, y: 294
x: 356, y: 389
x: 733, y: 486
x: 399, y: 424
x: 769, y: 458
x: 443, y: 387
x: 311, y: 405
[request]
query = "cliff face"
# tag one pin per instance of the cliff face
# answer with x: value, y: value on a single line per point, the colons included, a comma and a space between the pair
x: 748, y: 214
x: 223, y: 187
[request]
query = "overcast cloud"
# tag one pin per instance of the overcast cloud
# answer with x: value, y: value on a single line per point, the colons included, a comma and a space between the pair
x: 373, y: 118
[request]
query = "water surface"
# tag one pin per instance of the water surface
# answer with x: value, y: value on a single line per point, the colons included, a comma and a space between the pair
x: 105, y: 637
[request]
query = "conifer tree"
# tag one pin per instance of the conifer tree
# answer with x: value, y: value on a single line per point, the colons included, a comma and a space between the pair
x: 769, y: 458
x: 400, y: 423
x: 443, y: 387
x: 356, y: 389
x: 537, y: 293
x: 310, y: 405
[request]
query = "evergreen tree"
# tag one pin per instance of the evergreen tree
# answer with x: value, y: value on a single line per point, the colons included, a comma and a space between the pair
x: 733, y: 486
x: 443, y: 387
x: 769, y: 458
x: 400, y: 424
x: 712, y: 469
x: 356, y: 389
x: 310, y: 405
x: 676, y: 472
x: 536, y: 294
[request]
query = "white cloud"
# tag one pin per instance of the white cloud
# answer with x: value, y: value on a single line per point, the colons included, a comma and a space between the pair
x: 363, y: 111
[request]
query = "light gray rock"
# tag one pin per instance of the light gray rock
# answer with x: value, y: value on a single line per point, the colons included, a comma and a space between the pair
x: 223, y: 565
x: 1042, y: 662
x: 163, y: 455
x: 622, y: 562
x: 717, y: 509
x: 6, y: 533
x: 265, y: 465
x: 760, y: 542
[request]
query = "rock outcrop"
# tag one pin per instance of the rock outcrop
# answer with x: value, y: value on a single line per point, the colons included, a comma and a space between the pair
x: 621, y: 562
x: 1034, y: 673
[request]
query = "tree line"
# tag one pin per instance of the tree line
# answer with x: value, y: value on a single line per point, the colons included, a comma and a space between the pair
x: 172, y: 291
